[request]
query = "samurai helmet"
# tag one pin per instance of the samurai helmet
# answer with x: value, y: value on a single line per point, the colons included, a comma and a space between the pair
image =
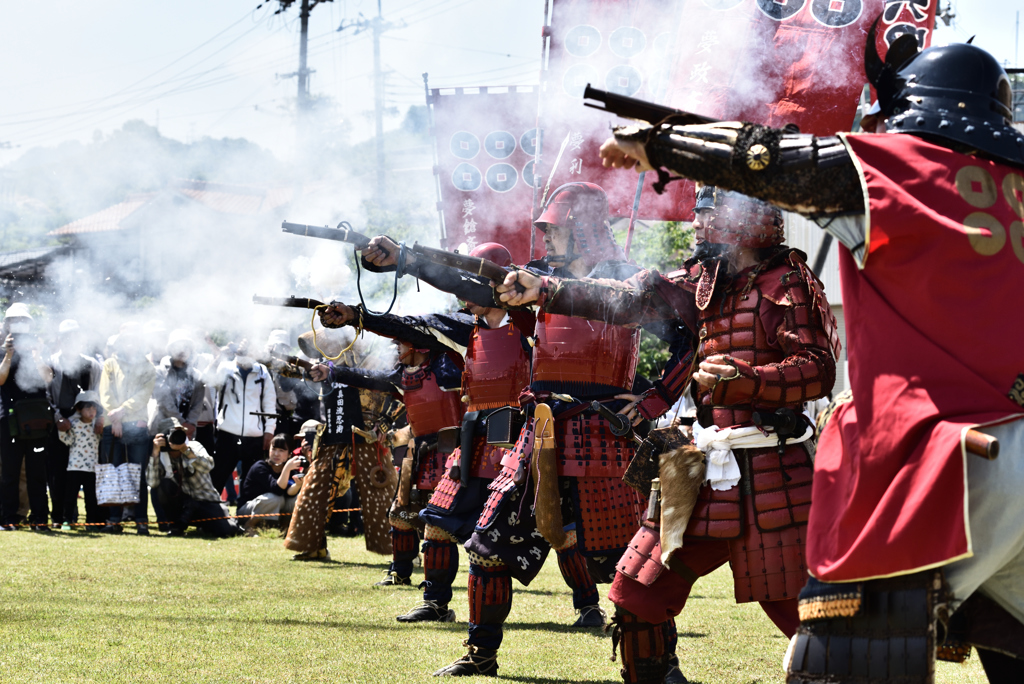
x: 493, y: 251
x: 583, y: 207
x: 955, y: 92
x: 738, y: 219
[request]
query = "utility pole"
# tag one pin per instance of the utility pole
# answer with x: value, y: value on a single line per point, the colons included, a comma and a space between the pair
x: 303, y: 102
x: 379, y: 27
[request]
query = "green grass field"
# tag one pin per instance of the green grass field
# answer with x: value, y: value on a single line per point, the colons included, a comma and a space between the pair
x: 80, y: 607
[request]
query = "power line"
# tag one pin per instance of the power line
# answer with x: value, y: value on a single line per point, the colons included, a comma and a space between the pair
x: 189, y: 86
x: 459, y: 48
x: 129, y: 87
x: 141, y: 100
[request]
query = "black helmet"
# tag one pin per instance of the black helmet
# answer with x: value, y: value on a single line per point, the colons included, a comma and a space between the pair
x: 955, y: 92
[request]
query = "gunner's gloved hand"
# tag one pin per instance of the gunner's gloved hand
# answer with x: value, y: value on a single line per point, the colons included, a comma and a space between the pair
x: 319, y: 373
x: 382, y: 251
x: 510, y: 294
x: 625, y: 150
x: 337, y: 315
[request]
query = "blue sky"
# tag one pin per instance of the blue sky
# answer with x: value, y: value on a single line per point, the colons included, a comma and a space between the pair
x: 212, y: 67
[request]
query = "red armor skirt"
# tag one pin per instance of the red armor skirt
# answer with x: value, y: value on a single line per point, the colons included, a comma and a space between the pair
x: 587, y: 448
x: 486, y: 464
x: 778, y: 502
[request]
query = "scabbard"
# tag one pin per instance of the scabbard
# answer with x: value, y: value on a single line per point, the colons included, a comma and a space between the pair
x: 466, y: 446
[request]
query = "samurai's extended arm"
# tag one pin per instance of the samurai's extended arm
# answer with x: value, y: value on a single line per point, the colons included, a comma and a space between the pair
x: 810, y: 175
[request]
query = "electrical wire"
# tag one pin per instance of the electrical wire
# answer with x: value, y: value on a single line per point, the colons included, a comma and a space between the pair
x: 455, y: 47
x: 141, y: 80
x: 190, y: 85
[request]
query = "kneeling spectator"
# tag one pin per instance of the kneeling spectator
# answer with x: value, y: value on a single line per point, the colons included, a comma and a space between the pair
x: 81, y: 434
x: 271, y: 486
x: 180, y: 474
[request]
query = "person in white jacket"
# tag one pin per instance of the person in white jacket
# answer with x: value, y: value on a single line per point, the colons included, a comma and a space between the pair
x: 245, y: 390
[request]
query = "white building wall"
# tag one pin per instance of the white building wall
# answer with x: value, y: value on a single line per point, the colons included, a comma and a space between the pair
x: 805, y: 235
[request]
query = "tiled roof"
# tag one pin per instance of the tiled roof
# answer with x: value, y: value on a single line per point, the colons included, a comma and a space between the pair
x: 238, y: 200
x: 27, y: 262
x: 242, y: 200
x: 107, y: 219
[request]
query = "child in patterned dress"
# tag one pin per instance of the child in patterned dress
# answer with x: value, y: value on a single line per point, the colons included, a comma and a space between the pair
x: 82, y: 435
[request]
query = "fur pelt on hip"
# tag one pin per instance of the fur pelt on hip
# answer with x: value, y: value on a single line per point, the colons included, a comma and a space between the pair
x: 682, y: 473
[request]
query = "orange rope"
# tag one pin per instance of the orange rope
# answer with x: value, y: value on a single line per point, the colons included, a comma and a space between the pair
x: 167, y: 522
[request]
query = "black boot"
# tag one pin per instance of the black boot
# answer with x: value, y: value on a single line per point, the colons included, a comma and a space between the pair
x: 674, y: 674
x: 391, y: 579
x: 428, y: 611
x: 590, y: 616
x: 478, y: 662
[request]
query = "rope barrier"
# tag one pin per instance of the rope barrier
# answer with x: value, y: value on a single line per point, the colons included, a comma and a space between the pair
x: 191, y: 522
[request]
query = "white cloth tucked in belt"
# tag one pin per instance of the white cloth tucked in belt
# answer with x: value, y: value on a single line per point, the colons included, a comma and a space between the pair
x: 718, y: 443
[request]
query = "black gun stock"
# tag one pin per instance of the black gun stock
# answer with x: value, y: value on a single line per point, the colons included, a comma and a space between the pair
x: 339, y: 234
x: 290, y: 302
x: 632, y: 108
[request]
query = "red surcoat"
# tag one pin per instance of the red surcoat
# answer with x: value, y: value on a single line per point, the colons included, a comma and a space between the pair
x: 934, y: 347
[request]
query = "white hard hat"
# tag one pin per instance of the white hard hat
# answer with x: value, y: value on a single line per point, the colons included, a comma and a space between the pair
x: 180, y: 335
x: 279, y: 337
x: 18, y: 310
x: 68, y: 325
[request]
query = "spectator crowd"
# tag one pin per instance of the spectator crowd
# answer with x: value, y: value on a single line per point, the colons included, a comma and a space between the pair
x: 183, y: 425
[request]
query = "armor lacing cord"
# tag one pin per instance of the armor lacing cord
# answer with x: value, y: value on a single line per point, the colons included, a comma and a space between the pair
x: 587, y: 610
x: 615, y: 627
x: 475, y: 655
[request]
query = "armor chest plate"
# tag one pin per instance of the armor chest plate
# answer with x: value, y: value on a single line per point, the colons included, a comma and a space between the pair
x: 429, y: 408
x: 497, y: 368
x: 734, y: 327
x: 575, y: 350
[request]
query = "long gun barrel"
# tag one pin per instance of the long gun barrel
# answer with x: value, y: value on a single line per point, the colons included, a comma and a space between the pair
x: 631, y: 108
x: 293, y: 360
x: 343, y: 233
x: 290, y: 302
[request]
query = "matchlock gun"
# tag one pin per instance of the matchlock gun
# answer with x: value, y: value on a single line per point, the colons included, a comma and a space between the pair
x: 632, y: 108
x: 289, y: 302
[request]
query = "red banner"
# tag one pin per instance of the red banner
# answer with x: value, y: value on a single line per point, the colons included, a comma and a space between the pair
x: 768, y: 61
x: 486, y: 139
x: 623, y: 47
x: 785, y: 62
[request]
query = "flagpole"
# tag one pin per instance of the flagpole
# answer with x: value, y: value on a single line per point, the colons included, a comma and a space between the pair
x: 636, y: 210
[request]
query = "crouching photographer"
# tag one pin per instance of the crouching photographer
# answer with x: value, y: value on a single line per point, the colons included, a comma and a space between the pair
x: 271, y: 486
x: 179, y: 473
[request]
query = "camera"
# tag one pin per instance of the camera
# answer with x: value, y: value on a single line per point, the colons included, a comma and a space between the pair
x: 303, y: 462
x: 176, y: 437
